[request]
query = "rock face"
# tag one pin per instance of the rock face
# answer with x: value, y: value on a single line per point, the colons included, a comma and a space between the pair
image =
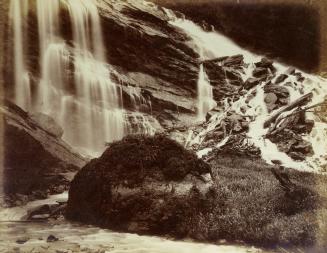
x: 48, y: 124
x: 287, y: 132
x: 152, y: 55
x: 272, y: 30
x: 145, y: 52
x: 35, y: 160
x: 148, y: 185
x: 225, y: 75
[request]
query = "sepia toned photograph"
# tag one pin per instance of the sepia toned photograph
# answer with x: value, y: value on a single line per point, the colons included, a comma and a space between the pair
x: 163, y: 126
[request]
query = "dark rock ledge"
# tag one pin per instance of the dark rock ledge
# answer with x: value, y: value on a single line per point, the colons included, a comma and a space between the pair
x: 37, y: 162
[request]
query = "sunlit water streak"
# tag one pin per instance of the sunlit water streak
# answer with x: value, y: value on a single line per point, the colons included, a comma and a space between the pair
x: 17, y: 15
x: 205, y: 95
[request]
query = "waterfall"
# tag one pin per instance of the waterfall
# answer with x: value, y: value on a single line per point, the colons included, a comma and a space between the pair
x: 75, y: 85
x: 18, y: 14
x: 97, y: 95
x: 205, y: 95
x: 53, y: 56
x: 205, y: 100
x: 213, y: 45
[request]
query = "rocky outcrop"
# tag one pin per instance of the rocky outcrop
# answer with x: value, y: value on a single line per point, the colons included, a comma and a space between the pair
x: 36, y: 161
x: 289, y: 32
x: 286, y: 131
x: 153, y: 56
x: 48, y: 124
x: 140, y: 39
x: 144, y: 51
x: 225, y: 75
x: 148, y: 185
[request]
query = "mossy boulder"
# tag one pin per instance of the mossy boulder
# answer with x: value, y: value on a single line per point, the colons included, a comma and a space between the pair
x: 147, y: 185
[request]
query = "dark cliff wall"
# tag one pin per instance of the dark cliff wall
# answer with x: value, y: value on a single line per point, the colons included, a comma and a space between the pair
x: 289, y: 31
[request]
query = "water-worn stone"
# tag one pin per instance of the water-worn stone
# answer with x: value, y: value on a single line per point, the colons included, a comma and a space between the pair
x: 22, y: 240
x: 266, y: 63
x: 251, y: 82
x: 271, y: 98
x: 52, y: 238
x: 279, y: 91
x: 260, y: 72
x: 281, y: 78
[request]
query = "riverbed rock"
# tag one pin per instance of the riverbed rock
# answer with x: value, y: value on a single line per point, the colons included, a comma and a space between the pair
x: 235, y: 61
x: 281, y: 78
x: 266, y: 63
x: 52, y: 238
x: 148, y: 185
x: 22, y: 240
x: 271, y: 99
x: 34, y: 160
x: 251, y: 82
x: 260, y: 72
x: 276, y: 96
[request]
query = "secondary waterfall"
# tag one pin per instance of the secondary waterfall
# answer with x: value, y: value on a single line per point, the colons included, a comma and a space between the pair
x: 205, y: 95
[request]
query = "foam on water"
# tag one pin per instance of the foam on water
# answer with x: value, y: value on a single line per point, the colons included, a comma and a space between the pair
x: 92, y: 237
x: 20, y: 212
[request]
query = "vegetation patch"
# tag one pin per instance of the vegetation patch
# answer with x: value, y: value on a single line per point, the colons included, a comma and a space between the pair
x: 258, y: 211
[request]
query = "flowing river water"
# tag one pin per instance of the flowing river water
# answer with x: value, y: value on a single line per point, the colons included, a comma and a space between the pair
x: 74, y: 237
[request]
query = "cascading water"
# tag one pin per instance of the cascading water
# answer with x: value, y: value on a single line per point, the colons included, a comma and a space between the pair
x: 205, y: 101
x: 97, y: 94
x: 205, y: 95
x: 93, y: 102
x: 214, y: 45
x: 18, y: 14
x: 53, y: 57
x: 76, y: 89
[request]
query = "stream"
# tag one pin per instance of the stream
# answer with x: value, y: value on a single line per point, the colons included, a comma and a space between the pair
x: 18, y: 235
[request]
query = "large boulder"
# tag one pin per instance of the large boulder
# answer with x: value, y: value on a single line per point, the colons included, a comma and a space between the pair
x: 148, y: 185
